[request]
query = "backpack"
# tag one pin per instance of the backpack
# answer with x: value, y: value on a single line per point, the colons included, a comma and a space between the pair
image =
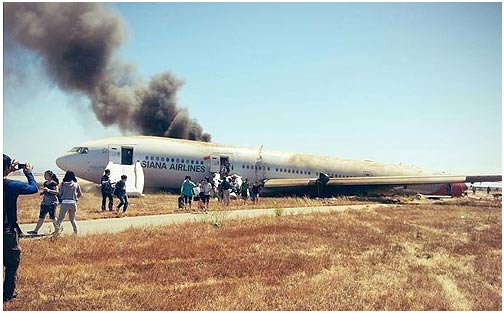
x: 108, y: 188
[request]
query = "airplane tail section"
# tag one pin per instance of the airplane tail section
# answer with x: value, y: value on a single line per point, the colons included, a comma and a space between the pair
x: 135, y: 181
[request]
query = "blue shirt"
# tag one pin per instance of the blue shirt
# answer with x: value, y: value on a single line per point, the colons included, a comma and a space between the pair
x: 12, y: 190
x: 187, y: 188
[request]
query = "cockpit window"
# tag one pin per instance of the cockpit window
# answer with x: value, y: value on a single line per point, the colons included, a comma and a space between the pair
x: 80, y: 150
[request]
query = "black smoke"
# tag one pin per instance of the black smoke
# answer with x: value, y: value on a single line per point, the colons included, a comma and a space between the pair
x: 77, y: 44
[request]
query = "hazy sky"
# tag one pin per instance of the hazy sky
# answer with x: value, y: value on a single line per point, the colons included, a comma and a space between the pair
x: 412, y: 83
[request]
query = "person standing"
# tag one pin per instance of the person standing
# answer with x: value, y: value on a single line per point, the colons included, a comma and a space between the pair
x: 206, y: 189
x: 245, y: 190
x: 120, y: 192
x: 226, y: 190
x: 49, y: 201
x: 69, y: 192
x: 256, y: 191
x: 12, y: 189
x: 187, y: 191
x: 107, y: 190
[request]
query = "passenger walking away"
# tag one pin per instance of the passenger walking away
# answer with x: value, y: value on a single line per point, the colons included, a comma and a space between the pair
x: 120, y: 192
x: 50, y: 194
x: 256, y: 191
x: 69, y: 192
x: 226, y: 190
x: 107, y: 191
x: 488, y: 190
x: 186, y: 191
x: 245, y: 190
x: 206, y: 189
x: 11, y: 249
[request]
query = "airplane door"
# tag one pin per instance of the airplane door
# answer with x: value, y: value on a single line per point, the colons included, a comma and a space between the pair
x: 260, y: 170
x: 115, y: 154
x: 215, y: 163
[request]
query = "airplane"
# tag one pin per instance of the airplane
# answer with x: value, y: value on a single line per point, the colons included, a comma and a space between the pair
x: 167, y: 161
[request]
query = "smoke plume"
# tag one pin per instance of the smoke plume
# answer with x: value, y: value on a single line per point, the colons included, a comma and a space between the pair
x: 77, y: 44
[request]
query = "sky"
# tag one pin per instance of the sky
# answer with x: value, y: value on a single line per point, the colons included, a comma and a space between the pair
x: 417, y: 84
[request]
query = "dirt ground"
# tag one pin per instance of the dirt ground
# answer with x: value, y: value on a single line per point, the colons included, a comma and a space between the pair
x: 427, y: 256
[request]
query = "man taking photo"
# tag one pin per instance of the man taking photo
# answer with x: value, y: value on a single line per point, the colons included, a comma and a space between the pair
x: 11, y: 250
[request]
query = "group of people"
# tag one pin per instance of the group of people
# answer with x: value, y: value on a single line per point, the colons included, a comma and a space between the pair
x: 67, y: 194
x: 109, y: 189
x: 221, y: 188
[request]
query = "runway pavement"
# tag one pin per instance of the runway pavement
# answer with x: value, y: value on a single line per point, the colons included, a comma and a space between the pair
x: 114, y: 225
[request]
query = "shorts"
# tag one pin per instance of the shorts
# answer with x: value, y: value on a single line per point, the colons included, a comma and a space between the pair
x: 47, y: 208
x: 205, y: 198
x: 187, y: 199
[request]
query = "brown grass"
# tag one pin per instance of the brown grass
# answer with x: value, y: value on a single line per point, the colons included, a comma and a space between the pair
x: 424, y: 257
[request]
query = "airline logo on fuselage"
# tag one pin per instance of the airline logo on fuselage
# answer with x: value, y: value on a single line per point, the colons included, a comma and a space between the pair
x: 174, y: 167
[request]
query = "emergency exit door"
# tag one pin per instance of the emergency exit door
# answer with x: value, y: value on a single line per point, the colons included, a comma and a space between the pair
x: 115, y: 154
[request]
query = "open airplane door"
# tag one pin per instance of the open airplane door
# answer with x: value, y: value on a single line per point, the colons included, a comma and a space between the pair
x: 135, y: 181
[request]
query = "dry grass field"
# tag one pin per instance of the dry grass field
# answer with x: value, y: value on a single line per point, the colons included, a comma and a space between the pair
x: 89, y: 207
x: 415, y: 257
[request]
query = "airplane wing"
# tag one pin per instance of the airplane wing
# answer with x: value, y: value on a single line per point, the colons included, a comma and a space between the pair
x: 380, y: 180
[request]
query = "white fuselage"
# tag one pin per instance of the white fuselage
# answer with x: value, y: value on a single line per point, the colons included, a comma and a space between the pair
x: 167, y: 161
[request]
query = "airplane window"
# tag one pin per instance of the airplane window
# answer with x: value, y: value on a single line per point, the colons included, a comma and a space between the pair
x: 187, y: 161
x: 177, y: 160
x: 243, y: 166
x: 247, y: 166
x: 192, y: 161
x: 157, y: 158
x: 259, y: 167
x: 276, y: 169
x: 152, y: 158
x: 147, y: 157
x: 172, y: 159
x: 162, y: 159
x: 297, y: 172
x: 269, y: 169
x: 182, y: 161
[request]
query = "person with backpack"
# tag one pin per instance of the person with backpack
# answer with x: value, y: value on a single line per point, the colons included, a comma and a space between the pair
x: 49, y: 201
x: 12, y: 189
x: 226, y: 190
x: 107, y: 191
x: 69, y: 192
x: 120, y: 192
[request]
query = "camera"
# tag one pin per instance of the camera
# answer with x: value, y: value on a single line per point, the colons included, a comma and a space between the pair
x: 20, y: 166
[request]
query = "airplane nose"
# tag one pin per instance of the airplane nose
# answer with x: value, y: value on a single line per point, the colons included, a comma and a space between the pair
x: 62, y: 162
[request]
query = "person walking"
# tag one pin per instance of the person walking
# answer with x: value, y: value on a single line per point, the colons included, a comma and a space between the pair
x: 187, y: 191
x: 12, y: 189
x: 107, y: 190
x: 244, y: 190
x: 206, y: 189
x: 69, y: 192
x: 226, y: 190
x: 50, y: 194
x: 120, y: 192
x: 256, y: 191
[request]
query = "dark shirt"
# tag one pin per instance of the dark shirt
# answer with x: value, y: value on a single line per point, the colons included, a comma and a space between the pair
x: 225, y: 185
x: 50, y: 198
x: 120, y: 188
x: 12, y: 190
x: 256, y: 189
x: 107, y: 181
